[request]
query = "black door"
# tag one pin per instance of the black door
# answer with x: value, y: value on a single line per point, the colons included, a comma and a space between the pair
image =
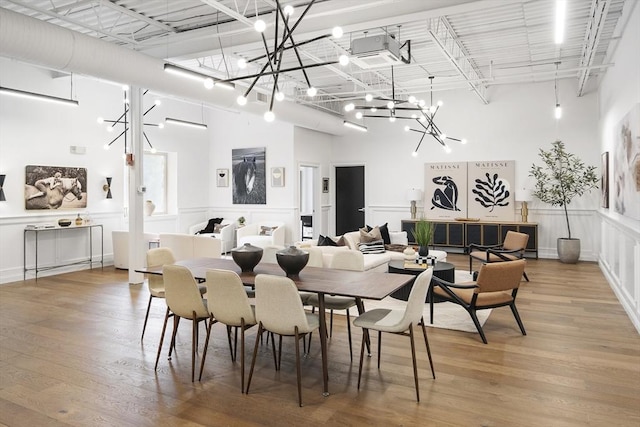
x: 349, y: 198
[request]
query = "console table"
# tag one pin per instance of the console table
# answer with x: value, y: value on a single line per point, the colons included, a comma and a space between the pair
x: 36, y: 232
x: 460, y: 234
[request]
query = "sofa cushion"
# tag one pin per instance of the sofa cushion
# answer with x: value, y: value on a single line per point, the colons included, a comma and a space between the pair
x: 372, y: 235
x: 266, y: 231
x: 218, y: 228
x: 375, y: 247
x: 384, y: 232
x: 352, y: 238
x: 326, y: 241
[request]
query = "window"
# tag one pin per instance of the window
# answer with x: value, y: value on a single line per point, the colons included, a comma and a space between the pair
x: 155, y: 179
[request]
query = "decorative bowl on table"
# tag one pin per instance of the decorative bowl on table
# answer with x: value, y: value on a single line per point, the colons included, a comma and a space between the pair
x: 64, y: 222
x: 292, y: 260
x: 247, y: 257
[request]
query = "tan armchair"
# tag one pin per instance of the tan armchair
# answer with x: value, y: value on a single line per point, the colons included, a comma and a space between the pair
x: 496, y: 286
x: 511, y: 249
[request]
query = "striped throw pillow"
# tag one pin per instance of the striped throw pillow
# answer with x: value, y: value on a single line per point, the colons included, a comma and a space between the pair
x: 375, y: 247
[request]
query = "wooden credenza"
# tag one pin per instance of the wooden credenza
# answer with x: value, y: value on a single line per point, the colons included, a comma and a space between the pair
x: 460, y: 234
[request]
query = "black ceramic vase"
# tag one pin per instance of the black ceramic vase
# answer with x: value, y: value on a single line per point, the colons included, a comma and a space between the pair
x: 247, y: 257
x: 423, y: 251
x: 292, y: 260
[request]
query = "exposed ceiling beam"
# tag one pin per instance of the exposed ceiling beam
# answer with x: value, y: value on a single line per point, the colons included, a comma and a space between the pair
x: 136, y: 15
x: 598, y: 16
x: 447, y: 41
x: 228, y: 11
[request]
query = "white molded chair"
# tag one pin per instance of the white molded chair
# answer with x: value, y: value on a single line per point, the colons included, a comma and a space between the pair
x: 228, y: 303
x: 156, y: 258
x: 347, y: 260
x: 226, y: 234
x: 269, y: 254
x: 184, y: 301
x: 250, y: 233
x: 279, y: 310
x: 399, y: 322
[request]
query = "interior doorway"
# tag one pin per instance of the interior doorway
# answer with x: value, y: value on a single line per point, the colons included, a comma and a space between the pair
x: 349, y: 198
x: 308, y: 201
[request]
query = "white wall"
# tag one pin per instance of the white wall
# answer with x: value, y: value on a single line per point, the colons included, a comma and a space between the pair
x: 619, y: 93
x: 513, y: 126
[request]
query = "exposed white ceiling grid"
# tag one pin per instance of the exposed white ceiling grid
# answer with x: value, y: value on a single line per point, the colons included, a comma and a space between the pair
x: 466, y: 44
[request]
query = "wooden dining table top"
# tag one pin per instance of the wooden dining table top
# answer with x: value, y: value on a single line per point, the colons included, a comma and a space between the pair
x: 357, y: 284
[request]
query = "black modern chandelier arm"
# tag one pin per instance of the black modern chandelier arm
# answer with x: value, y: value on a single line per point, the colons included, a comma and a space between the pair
x: 419, y: 143
x: 116, y: 138
x: 275, y: 81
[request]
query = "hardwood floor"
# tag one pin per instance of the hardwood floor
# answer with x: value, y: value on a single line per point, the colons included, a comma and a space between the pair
x: 70, y: 354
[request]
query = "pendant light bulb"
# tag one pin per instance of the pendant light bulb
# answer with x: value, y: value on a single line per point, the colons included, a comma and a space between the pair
x: 269, y: 116
x: 558, y: 112
x: 260, y: 26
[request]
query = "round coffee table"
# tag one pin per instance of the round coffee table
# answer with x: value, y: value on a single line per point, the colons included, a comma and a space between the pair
x: 443, y: 270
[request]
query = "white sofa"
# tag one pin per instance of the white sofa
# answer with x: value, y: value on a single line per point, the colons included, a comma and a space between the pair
x: 226, y: 234
x: 186, y: 246
x: 120, y: 241
x: 250, y: 233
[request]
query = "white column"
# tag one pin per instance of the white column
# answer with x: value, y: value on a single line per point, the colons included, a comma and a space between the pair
x: 137, y: 249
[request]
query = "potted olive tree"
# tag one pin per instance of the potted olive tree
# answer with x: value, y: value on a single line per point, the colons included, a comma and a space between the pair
x: 423, y: 235
x: 563, y: 177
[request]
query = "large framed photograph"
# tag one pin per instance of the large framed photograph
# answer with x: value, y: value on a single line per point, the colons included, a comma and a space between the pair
x: 491, y: 190
x: 249, y: 176
x: 604, y: 180
x: 626, y: 165
x: 55, y: 187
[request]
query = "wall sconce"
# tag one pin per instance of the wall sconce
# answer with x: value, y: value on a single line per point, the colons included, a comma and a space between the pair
x: 414, y: 194
x: 2, y: 198
x: 107, y: 187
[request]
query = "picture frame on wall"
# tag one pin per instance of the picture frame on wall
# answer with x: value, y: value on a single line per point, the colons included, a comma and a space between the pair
x: 604, y: 180
x: 222, y: 177
x: 277, y: 177
x: 55, y: 187
x: 325, y: 185
x: 248, y: 175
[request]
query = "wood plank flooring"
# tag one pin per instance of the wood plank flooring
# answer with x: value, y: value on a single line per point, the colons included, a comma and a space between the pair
x: 70, y: 355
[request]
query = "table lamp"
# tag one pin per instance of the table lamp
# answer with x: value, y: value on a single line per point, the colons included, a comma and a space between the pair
x: 523, y: 195
x: 413, y: 195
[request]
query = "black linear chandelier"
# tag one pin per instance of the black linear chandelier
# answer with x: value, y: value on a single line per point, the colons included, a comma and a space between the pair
x: 406, y: 109
x: 282, y: 41
x: 123, y: 119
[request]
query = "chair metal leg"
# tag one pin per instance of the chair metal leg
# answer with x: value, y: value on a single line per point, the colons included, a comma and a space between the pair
x: 279, y: 352
x: 361, y: 355
x: 176, y: 322
x: 146, y: 317
x: 242, y: 326
x: 331, y: 325
x: 298, y: 373
x: 230, y: 345
x: 525, y: 276
x: 514, y: 310
x: 273, y: 349
x: 206, y: 345
x: 413, y: 359
x: 379, y: 347
x: 164, y: 327
x: 349, y: 331
x: 426, y: 342
x: 194, y: 344
x: 235, y: 344
x: 255, y: 353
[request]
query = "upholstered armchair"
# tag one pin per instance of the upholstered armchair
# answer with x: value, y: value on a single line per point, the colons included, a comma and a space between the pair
x: 225, y: 231
x: 262, y: 234
x: 120, y: 241
x: 511, y: 249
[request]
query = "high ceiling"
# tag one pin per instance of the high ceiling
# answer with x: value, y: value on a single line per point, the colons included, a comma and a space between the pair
x: 465, y: 44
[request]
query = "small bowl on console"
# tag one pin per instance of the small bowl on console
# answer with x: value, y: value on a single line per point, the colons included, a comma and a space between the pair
x: 64, y: 222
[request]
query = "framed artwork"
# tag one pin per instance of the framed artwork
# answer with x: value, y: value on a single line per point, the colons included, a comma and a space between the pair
x: 626, y: 165
x: 604, y: 180
x: 325, y: 185
x: 222, y: 177
x: 491, y: 195
x: 55, y: 187
x: 445, y: 190
x: 248, y: 174
x: 277, y: 177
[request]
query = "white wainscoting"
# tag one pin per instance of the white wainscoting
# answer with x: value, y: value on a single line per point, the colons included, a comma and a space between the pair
x: 620, y: 261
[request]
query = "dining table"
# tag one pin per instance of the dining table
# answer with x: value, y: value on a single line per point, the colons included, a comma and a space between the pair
x: 322, y: 281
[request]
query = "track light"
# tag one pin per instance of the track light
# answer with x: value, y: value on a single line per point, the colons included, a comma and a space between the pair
x: 355, y: 126
x: 179, y: 122
x: 38, y: 96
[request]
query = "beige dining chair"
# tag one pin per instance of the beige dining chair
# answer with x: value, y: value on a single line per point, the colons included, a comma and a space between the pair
x: 347, y: 260
x: 155, y: 258
x: 184, y: 300
x: 269, y: 254
x: 399, y: 321
x: 279, y: 310
x: 228, y: 304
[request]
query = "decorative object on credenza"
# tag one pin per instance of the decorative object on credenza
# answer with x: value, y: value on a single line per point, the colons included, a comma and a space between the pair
x: 79, y: 220
x: 563, y: 177
x: 523, y: 195
x: 222, y: 177
x: 55, y: 187
x: 149, y: 207
x: 292, y: 260
x: 409, y: 254
x: 247, y: 257
x: 241, y: 221
x: 414, y: 195
x: 249, y: 176
x: 423, y: 235
x: 107, y: 187
x: 604, y: 180
x: 64, y: 222
x: 2, y: 198
x: 277, y: 177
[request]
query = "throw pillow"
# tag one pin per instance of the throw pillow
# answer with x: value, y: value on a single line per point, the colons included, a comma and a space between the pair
x: 341, y: 241
x: 266, y: 231
x: 326, y: 241
x: 374, y: 247
x: 370, y: 236
x: 210, y: 225
x: 384, y: 232
x: 218, y: 228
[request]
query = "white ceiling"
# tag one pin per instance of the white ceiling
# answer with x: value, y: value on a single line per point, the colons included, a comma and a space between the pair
x: 465, y: 44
